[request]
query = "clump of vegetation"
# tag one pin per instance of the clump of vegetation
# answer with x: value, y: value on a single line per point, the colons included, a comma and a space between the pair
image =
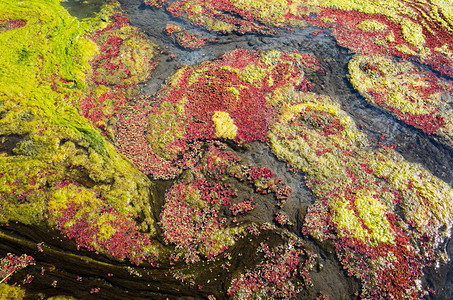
x: 124, y: 59
x: 45, y: 143
x: 359, y: 191
x: 396, y: 27
x: 9, y: 265
x: 224, y: 98
x: 414, y: 96
x: 274, y: 276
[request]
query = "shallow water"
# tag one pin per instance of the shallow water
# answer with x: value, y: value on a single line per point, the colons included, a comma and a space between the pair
x: 83, y: 8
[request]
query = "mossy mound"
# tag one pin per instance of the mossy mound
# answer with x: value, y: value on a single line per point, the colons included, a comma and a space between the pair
x: 385, y: 213
x: 418, y: 98
x: 45, y: 143
x: 196, y: 100
x: 125, y: 59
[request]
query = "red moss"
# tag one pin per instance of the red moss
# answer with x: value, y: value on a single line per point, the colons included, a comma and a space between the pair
x: 156, y: 3
x: 242, y: 207
x: 279, y: 276
x: 172, y: 28
x: 11, y: 24
x: 190, y: 40
x: 190, y: 217
x: 218, y: 88
x: 12, y: 263
x: 118, y: 236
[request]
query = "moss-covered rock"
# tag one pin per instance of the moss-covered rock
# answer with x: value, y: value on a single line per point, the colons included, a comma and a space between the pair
x: 45, y: 142
x: 414, y: 96
x: 360, y: 191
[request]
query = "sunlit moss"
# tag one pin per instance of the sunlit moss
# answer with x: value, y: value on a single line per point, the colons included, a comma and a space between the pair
x: 224, y: 125
x: 427, y: 200
x: 413, y: 33
x: 165, y: 127
x: 372, y: 25
x: 385, y: 77
x: 105, y: 230
x: 266, y: 10
x: 444, y: 49
x: 11, y: 292
x: 53, y: 141
x: 251, y: 73
x: 371, y: 212
x: 71, y: 194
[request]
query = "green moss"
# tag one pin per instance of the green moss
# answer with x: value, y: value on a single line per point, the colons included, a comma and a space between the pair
x: 51, y: 52
x: 426, y: 199
x: 413, y: 33
x: 234, y: 91
x: 166, y: 127
x: 251, y: 73
x: 396, y: 82
x: 224, y: 125
x: 30, y: 212
x: 50, y: 46
x: 11, y: 292
x: 271, y: 11
x: 372, y: 25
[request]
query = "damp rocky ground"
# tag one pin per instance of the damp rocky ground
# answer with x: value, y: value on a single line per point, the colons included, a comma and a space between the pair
x: 328, y: 275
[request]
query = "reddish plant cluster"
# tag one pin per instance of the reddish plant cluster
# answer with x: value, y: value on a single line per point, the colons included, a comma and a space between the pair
x: 172, y: 28
x: 28, y: 278
x: 242, y: 207
x: 238, y: 83
x: 357, y: 256
x: 190, y: 40
x: 156, y: 3
x: 98, y: 109
x: 12, y: 263
x: 397, y: 278
x: 132, y: 141
x: 218, y: 160
x: 11, y: 24
x: 217, y: 89
x: 184, y: 38
x: 117, y: 235
x: 190, y: 217
x: 263, y: 180
x: 322, y: 296
x: 282, y: 218
x: 114, y: 53
x: 321, y: 121
x: 275, y: 276
x: 220, y: 163
x: 317, y: 221
x: 125, y: 59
